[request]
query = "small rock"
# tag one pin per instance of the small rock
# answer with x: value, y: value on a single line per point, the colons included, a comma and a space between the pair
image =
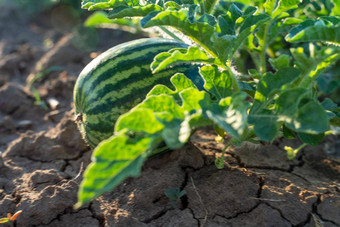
x: 53, y: 103
x: 24, y: 124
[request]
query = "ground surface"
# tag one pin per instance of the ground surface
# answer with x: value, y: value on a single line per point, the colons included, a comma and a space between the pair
x: 42, y: 153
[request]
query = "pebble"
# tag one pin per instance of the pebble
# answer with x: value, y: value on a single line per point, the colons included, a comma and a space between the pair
x: 53, y: 103
x: 24, y: 124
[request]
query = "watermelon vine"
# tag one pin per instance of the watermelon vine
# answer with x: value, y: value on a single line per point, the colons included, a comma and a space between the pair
x: 277, y: 95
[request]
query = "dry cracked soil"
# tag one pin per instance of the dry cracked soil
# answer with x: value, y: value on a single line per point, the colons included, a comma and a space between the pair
x: 43, y: 155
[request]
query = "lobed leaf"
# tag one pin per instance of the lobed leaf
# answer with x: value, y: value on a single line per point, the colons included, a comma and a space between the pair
x: 280, y: 62
x: 299, y: 115
x: 180, y: 56
x: 113, y: 161
x: 265, y: 124
x: 198, y: 31
x: 315, y: 31
x: 233, y: 118
x: 217, y: 83
x: 135, y: 11
x: 271, y: 83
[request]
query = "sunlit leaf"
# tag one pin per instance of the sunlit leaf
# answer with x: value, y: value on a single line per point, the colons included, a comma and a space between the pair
x: 233, y: 119
x: 180, y: 56
x: 270, y: 82
x: 280, y: 62
x: 198, y: 31
x: 113, y: 161
x: 216, y: 82
x: 136, y: 11
x: 315, y: 30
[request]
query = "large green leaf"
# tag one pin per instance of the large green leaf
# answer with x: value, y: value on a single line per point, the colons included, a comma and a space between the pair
x: 299, y: 112
x: 136, y: 11
x: 315, y: 31
x: 113, y: 161
x: 106, y: 4
x: 233, y: 118
x: 336, y: 8
x: 149, y: 124
x: 209, y: 5
x: 231, y: 37
x: 198, y: 31
x: 265, y: 124
x: 311, y: 66
x: 179, y: 56
x: 280, y: 62
x: 271, y: 83
x: 217, y: 83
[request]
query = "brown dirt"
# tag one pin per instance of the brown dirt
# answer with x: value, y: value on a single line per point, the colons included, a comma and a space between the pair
x: 42, y: 154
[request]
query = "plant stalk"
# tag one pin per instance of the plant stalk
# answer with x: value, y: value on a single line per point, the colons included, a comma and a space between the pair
x: 263, y: 67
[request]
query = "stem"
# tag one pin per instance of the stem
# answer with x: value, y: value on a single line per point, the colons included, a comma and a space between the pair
x: 263, y: 67
x: 171, y: 34
x: 233, y: 79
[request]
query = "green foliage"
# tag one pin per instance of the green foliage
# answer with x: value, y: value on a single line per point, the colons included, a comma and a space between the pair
x: 284, y: 49
x: 174, y: 194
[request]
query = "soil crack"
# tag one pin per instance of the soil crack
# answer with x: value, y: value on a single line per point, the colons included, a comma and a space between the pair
x: 315, y: 211
x: 99, y: 218
x: 280, y: 212
x: 157, y: 216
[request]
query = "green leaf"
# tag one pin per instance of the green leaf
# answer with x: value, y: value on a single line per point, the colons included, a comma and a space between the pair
x: 193, y: 99
x: 226, y: 45
x: 232, y: 119
x: 328, y: 104
x: 312, y: 139
x: 336, y: 8
x: 289, y: 134
x: 285, y: 5
x: 299, y: 116
x: 198, y: 31
x: 113, y: 161
x: 315, y: 31
x: 162, y: 103
x: 217, y: 83
x: 136, y: 11
x: 149, y: 124
x: 190, y: 123
x: 97, y: 18
x: 209, y: 5
x: 305, y: 119
x: 180, y: 82
x: 288, y: 102
x: 271, y: 83
x: 180, y: 56
x: 265, y: 124
x: 312, y: 66
x: 280, y: 62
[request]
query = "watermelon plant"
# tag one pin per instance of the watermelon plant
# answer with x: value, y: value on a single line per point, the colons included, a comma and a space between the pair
x: 254, y: 70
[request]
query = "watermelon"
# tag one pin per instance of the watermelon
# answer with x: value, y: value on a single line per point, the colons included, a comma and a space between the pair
x: 117, y: 80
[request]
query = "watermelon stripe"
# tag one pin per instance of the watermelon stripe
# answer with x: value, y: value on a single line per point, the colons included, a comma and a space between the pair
x: 117, y: 59
x: 98, y: 127
x: 116, y: 96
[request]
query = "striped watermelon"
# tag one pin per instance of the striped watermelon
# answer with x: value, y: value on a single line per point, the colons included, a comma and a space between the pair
x: 119, y: 79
